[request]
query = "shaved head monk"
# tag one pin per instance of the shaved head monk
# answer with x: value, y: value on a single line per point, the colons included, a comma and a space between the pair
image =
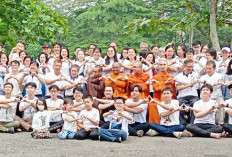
x: 116, y: 81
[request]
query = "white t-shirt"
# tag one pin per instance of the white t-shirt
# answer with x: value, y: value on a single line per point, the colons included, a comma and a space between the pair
x: 117, y: 122
x: 93, y: 114
x: 202, y: 106
x: 217, y: 90
x: 187, y: 79
x: 7, y: 115
x: 82, y: 105
x: 69, y: 92
x: 41, y: 120
x: 70, y: 126
x: 57, y: 103
x: 29, y: 112
x: 60, y: 84
x: 172, y: 119
x: 30, y: 78
x: 16, y: 90
x: 139, y: 117
x: 65, y: 67
x: 229, y: 101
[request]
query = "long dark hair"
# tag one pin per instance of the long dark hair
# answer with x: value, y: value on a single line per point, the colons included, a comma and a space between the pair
x: 229, y: 70
x: 107, y: 60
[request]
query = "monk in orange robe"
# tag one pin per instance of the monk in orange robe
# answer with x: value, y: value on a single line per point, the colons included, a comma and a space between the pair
x: 161, y: 80
x: 139, y: 78
x: 115, y: 81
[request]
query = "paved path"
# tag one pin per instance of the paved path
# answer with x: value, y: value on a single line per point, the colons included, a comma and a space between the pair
x: 23, y: 145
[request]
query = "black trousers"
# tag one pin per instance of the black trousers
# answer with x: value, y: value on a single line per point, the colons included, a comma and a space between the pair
x: 83, y: 134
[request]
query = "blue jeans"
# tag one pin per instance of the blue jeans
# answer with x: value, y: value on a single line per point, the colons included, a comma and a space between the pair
x: 111, y: 135
x: 166, y: 130
x: 65, y: 134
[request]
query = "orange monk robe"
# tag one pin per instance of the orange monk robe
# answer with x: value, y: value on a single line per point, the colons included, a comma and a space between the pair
x: 141, y: 80
x: 158, y: 86
x: 118, y: 85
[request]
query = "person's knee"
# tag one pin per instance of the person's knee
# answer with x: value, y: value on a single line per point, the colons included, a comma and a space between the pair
x: 189, y: 127
x: 62, y: 136
x: 182, y: 127
x: 71, y: 136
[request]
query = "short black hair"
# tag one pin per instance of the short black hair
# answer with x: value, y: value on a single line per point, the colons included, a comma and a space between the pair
x: 31, y: 84
x: 195, y: 43
x: 35, y: 62
x: 190, y: 50
x: 119, y: 98
x: 53, y: 87
x: 89, y: 97
x: 136, y: 86
x: 68, y: 100
x: 8, y: 83
x: 167, y: 89
x: 15, y: 61
x: 210, y: 87
x: 79, y: 88
x: 211, y: 62
x: 230, y: 86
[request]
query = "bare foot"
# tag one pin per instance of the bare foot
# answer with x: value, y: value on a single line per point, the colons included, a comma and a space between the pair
x: 215, y: 135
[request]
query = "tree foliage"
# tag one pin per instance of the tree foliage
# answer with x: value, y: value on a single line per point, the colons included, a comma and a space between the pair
x: 29, y: 20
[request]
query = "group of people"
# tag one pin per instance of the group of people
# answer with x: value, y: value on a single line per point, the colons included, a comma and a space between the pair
x: 156, y: 91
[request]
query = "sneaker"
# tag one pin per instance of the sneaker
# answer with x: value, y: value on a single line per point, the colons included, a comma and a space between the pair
x: 119, y: 140
x: 140, y: 133
x: 11, y: 130
x: 177, y: 134
x: 151, y: 132
x: 32, y: 134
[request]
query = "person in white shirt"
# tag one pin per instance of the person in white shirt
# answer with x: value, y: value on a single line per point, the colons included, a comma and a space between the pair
x: 215, y: 79
x: 33, y: 76
x: 228, y: 108
x: 8, y: 110
x: 78, y: 102
x: 70, y: 121
x: 14, y: 78
x: 54, y: 104
x: 204, y: 111
x: 66, y: 62
x: 89, y: 122
x: 58, y: 78
x: 223, y: 63
x: 169, y: 111
x: 119, y: 119
x: 28, y: 107
x: 41, y: 120
x: 186, y: 84
x: 138, y: 109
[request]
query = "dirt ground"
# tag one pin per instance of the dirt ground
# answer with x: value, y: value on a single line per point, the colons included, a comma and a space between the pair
x: 22, y: 144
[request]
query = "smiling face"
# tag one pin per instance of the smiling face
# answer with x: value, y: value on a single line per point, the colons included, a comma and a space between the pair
x: 116, y: 68
x: 81, y: 56
x: 135, y: 93
x: 167, y: 95
x: 108, y: 92
x: 110, y: 52
x: 8, y: 89
x: 169, y: 52
x: 64, y: 53
x: 88, y: 104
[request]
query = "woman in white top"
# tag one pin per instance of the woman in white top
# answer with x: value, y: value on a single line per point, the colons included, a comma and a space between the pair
x: 111, y: 57
x: 66, y: 62
x: 128, y: 64
x: 96, y: 59
x: 4, y: 65
x: 173, y: 64
x: 44, y: 68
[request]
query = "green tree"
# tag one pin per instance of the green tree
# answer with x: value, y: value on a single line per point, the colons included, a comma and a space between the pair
x: 29, y: 20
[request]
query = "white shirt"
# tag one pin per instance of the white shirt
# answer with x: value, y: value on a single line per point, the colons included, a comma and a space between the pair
x: 139, y: 117
x: 70, y: 126
x: 7, y: 115
x: 16, y: 90
x: 69, y: 92
x: 172, y: 119
x: 82, y: 105
x: 41, y: 120
x: 55, y: 103
x: 120, y: 122
x: 29, y: 112
x: 93, y: 114
x: 217, y: 90
x: 176, y: 64
x: 202, y: 106
x: 30, y: 78
x: 223, y: 68
x: 65, y: 67
x: 60, y: 84
x: 187, y: 79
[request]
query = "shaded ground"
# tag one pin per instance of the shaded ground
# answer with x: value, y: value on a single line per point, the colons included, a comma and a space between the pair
x: 22, y: 144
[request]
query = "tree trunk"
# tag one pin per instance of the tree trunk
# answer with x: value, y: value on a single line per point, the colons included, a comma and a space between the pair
x: 190, y: 37
x: 213, y: 25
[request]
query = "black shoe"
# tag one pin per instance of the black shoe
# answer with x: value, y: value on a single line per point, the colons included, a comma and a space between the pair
x: 32, y: 134
x: 119, y: 140
x: 101, y: 138
x: 11, y: 130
